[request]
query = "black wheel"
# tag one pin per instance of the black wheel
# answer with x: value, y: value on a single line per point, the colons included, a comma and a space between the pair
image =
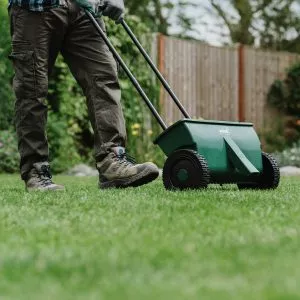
x: 185, y: 169
x: 269, y: 178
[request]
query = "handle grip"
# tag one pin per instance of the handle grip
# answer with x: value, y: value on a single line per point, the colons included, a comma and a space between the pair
x: 103, y: 6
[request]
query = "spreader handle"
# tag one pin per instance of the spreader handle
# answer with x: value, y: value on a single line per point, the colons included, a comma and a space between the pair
x: 154, y: 68
x: 127, y: 71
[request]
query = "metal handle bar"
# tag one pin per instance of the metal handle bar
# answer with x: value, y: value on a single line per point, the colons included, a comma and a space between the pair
x: 154, y: 68
x: 150, y: 63
x: 127, y: 71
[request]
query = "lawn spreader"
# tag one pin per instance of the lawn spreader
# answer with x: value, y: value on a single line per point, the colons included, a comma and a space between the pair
x: 200, y: 153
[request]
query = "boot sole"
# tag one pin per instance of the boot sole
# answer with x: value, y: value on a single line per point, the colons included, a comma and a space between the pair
x: 39, y: 190
x: 134, y: 181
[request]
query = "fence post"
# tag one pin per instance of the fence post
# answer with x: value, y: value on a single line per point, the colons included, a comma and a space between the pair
x: 241, y: 78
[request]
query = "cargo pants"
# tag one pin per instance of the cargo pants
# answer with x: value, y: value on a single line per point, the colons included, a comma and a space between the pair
x: 37, y: 38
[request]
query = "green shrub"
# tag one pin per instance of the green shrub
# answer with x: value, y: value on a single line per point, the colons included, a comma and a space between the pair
x: 6, y: 73
x: 285, y: 97
x: 282, y: 132
x: 290, y: 156
x: 9, y: 157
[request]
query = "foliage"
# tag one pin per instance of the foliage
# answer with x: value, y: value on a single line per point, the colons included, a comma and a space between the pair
x: 271, y: 24
x: 272, y: 137
x: 289, y: 156
x: 6, y: 95
x: 158, y: 14
x: 285, y: 94
x: 285, y: 97
x: 9, y: 157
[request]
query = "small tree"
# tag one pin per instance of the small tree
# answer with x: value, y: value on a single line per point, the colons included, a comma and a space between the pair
x: 272, y: 24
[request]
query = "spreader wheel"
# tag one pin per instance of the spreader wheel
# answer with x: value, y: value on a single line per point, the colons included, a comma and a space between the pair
x: 185, y: 169
x: 269, y: 178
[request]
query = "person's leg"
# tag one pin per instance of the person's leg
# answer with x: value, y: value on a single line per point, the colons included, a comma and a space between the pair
x: 95, y: 68
x: 36, y: 41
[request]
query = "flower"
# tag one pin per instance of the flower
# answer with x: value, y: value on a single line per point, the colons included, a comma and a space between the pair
x: 135, y: 132
x: 136, y: 126
x: 150, y: 132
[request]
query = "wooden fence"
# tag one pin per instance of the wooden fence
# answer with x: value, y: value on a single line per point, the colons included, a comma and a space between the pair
x: 219, y: 83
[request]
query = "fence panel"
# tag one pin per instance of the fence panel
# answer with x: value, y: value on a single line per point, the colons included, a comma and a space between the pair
x: 207, y: 80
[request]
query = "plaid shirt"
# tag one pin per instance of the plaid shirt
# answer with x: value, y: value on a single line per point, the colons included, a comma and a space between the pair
x: 35, y: 5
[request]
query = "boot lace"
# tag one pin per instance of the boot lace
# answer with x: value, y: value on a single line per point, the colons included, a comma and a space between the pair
x: 45, y: 175
x: 125, y: 159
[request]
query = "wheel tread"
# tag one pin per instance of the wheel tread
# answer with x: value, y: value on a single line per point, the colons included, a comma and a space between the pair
x: 262, y: 184
x: 205, y: 176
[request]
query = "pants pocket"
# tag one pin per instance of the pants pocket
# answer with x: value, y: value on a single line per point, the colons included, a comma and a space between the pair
x: 25, y: 78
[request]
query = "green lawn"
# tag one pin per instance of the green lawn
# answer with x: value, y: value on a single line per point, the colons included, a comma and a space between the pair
x: 147, y: 243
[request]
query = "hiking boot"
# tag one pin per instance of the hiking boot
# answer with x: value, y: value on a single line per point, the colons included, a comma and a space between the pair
x: 118, y: 170
x: 39, y: 179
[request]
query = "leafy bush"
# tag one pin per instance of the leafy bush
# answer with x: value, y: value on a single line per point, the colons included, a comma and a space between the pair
x: 283, y: 131
x: 285, y: 97
x: 9, y: 157
x: 290, y: 156
x: 6, y: 73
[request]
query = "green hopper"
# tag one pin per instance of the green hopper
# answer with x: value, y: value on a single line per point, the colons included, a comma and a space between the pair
x: 200, y: 153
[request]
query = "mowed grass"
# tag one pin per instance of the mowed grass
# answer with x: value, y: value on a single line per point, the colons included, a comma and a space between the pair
x: 147, y: 243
